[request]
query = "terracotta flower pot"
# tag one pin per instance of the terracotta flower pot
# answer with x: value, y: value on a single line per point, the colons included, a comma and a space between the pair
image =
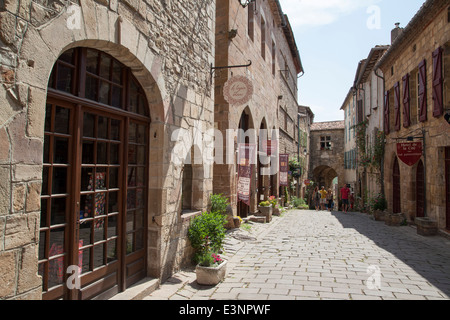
x: 211, y: 276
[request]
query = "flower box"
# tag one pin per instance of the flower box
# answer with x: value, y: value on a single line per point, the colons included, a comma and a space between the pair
x: 265, y: 212
x: 211, y: 276
x: 394, y: 219
x: 379, y: 215
x: 426, y: 227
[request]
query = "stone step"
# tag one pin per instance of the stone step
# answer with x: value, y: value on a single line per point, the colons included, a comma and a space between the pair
x: 257, y: 219
x: 138, y: 291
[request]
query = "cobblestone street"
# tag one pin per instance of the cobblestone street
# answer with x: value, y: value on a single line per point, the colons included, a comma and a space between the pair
x: 323, y: 255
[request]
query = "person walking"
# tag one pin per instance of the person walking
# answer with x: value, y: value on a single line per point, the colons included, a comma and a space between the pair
x: 316, y: 198
x: 323, y: 198
x: 345, y: 191
x: 330, y: 200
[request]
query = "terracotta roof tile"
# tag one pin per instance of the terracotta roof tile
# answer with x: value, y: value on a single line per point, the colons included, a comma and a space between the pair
x: 331, y: 125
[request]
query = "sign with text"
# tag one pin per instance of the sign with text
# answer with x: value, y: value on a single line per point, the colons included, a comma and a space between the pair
x: 238, y: 90
x: 247, y: 159
x: 409, y: 152
x: 284, y: 170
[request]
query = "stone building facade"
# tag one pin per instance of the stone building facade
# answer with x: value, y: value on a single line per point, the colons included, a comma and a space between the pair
x: 368, y: 92
x: 261, y: 34
x: 305, y: 119
x: 95, y: 99
x: 350, y: 150
x: 416, y: 70
x: 327, y: 154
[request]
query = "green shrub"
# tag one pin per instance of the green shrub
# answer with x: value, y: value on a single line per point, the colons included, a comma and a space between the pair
x: 207, y: 233
x: 298, y: 202
x: 378, y: 203
x: 219, y: 203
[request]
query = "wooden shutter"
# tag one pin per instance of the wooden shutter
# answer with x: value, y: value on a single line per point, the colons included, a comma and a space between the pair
x: 438, y: 109
x: 386, y: 112
x: 360, y: 111
x: 397, y: 106
x: 423, y: 91
x: 406, y: 102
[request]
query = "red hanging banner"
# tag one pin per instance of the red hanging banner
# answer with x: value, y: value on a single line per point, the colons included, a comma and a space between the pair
x: 247, y: 159
x: 284, y: 169
x: 270, y: 147
x: 409, y: 152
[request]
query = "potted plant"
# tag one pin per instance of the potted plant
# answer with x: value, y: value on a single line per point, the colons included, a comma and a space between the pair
x: 378, y: 205
x: 206, y: 234
x: 265, y: 209
x: 211, y: 268
x: 275, y: 206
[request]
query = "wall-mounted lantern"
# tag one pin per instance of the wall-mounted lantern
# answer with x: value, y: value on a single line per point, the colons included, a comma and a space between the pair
x: 245, y: 3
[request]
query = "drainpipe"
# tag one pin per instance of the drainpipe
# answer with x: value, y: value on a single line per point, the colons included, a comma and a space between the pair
x: 382, y: 160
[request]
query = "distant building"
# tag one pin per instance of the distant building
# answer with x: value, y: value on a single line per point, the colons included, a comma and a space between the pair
x: 327, y: 154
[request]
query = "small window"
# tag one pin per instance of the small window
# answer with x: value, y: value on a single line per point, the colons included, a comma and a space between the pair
x: 251, y: 19
x: 273, y: 57
x: 325, y: 143
x: 263, y: 38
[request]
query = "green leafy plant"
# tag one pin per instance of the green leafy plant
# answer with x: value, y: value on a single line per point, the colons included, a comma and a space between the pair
x: 273, y: 201
x: 264, y: 204
x: 378, y: 203
x: 299, y: 203
x: 207, y: 233
x: 219, y: 203
x: 207, y: 257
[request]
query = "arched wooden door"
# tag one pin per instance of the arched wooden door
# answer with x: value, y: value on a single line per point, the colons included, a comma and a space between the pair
x: 93, y: 202
x: 396, y: 187
x: 420, y: 190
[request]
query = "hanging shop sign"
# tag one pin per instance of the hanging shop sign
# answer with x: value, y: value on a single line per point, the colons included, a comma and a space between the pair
x: 238, y: 90
x: 409, y: 152
x: 247, y: 160
x: 270, y: 147
x: 284, y: 170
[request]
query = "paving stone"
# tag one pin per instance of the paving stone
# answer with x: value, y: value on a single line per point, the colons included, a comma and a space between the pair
x: 297, y: 257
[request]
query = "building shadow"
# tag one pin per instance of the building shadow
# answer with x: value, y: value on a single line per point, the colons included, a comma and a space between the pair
x: 429, y: 257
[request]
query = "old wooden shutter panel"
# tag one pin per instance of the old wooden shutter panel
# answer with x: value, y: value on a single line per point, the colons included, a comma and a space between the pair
x: 438, y: 109
x: 423, y: 91
x: 386, y: 112
x: 360, y: 111
x: 406, y: 102
x: 397, y: 106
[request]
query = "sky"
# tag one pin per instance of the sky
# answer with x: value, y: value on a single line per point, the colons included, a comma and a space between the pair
x: 332, y: 37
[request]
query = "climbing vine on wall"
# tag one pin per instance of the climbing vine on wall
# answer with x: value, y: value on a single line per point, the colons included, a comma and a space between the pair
x: 369, y: 155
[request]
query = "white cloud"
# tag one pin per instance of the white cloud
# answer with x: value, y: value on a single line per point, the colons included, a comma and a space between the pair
x: 303, y: 13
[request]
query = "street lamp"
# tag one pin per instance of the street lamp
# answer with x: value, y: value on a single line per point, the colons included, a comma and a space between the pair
x: 245, y: 3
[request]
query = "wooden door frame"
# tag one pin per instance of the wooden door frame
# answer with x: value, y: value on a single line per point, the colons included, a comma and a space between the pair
x: 420, y: 196
x: 396, y: 200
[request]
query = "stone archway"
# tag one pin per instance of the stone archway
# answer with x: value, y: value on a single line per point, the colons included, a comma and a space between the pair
x: 324, y: 176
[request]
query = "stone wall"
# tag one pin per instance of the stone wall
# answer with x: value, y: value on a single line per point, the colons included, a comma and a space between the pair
x: 431, y: 30
x: 169, y: 45
x: 264, y: 106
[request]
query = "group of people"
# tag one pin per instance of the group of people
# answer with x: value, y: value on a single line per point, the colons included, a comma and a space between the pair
x: 324, y: 199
